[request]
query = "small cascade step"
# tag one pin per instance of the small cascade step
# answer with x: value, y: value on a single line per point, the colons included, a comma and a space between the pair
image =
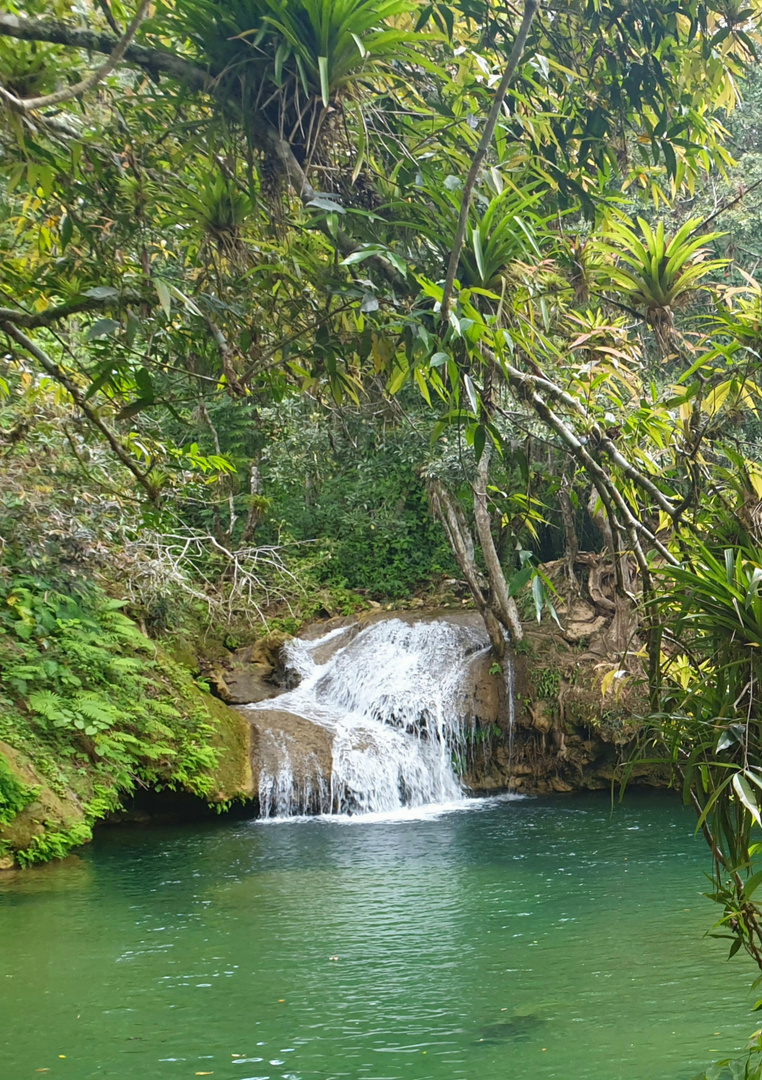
x: 386, y: 718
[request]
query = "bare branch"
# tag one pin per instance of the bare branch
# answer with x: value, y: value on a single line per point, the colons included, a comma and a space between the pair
x: 524, y: 379
x: 70, y: 92
x: 241, y: 583
x: 55, y: 372
x: 503, y: 604
x: 103, y: 5
x: 32, y: 320
x: 530, y: 10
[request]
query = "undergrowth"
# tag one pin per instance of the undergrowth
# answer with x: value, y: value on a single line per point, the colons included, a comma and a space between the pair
x: 84, y: 696
x: 14, y: 794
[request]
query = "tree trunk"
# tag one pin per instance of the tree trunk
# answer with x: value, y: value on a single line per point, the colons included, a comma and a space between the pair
x: 571, y: 542
x: 461, y: 542
x: 503, y: 605
x: 624, y: 622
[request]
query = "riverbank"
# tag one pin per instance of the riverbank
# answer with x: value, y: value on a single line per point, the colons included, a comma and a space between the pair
x: 113, y: 715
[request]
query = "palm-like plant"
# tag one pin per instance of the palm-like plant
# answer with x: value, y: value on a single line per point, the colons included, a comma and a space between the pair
x: 505, y: 232
x: 497, y: 237
x: 288, y: 62
x: 658, y: 274
x: 334, y: 44
x: 220, y: 209
x: 739, y: 316
x: 711, y: 725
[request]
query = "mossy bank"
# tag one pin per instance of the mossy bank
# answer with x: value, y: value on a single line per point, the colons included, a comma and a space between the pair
x: 92, y: 711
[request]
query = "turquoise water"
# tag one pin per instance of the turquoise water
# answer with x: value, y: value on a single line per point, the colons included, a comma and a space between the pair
x: 517, y: 940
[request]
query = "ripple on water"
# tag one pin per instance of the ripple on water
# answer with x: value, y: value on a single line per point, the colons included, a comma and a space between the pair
x: 526, y: 939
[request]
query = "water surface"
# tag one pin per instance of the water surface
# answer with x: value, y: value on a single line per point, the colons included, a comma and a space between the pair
x: 516, y: 940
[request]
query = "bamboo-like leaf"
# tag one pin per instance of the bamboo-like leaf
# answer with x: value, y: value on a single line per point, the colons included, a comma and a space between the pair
x: 471, y: 393
x: 746, y: 795
x: 477, y: 242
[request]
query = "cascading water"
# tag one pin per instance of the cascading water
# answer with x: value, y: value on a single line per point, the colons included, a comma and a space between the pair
x: 390, y: 703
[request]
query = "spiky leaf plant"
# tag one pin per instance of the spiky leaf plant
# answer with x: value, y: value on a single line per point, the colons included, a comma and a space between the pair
x: 220, y: 209
x: 287, y: 64
x: 711, y: 725
x: 500, y: 231
x: 658, y: 274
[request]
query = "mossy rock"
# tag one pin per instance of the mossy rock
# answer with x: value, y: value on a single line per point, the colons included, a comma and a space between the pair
x: 44, y: 813
x: 232, y: 777
x: 49, y: 823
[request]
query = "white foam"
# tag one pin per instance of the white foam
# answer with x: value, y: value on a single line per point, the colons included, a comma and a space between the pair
x: 392, y: 701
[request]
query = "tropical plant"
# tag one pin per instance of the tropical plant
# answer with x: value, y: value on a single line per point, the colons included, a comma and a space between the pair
x: 656, y: 273
x: 711, y: 725
x: 293, y: 63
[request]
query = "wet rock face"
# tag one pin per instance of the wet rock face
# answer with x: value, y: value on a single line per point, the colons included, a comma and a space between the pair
x: 381, y: 715
x: 252, y: 674
x: 540, y: 727
x: 289, y: 751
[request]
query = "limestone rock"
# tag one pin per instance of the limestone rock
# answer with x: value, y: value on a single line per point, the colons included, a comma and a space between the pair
x: 284, y: 745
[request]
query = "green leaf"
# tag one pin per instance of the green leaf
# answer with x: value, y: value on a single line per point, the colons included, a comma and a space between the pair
x: 750, y: 887
x: 165, y: 297
x: 101, y: 292
x: 538, y: 594
x: 398, y: 379
x: 325, y: 202
x: 101, y: 328
x: 360, y: 255
x: 369, y: 303
x: 477, y: 240
x: 421, y: 381
x: 67, y: 231
x: 472, y: 395
x: 325, y: 91
x: 746, y: 795
x: 135, y: 407
x: 519, y: 580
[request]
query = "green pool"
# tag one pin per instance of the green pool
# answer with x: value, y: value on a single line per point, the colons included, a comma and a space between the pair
x: 515, y: 940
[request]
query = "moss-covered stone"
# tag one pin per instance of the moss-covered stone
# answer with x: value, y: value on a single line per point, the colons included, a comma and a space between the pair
x: 55, y: 786
x: 231, y: 738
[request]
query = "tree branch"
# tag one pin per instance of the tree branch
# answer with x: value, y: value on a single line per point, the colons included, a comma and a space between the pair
x: 55, y: 372
x: 606, y: 488
x: 155, y: 61
x: 454, y: 523
x: 32, y: 320
x: 517, y: 377
x: 103, y: 5
x: 27, y: 105
x: 530, y: 10
x: 504, y: 605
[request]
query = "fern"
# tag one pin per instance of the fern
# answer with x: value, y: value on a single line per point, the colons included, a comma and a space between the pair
x: 14, y: 793
x: 51, y: 706
x: 96, y: 709
x: 80, y: 692
x: 126, y: 665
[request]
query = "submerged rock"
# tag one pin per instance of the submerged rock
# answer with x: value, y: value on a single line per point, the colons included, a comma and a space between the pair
x: 517, y: 1028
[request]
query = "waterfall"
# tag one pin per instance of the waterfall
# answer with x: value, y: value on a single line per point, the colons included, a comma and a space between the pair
x: 389, y: 701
